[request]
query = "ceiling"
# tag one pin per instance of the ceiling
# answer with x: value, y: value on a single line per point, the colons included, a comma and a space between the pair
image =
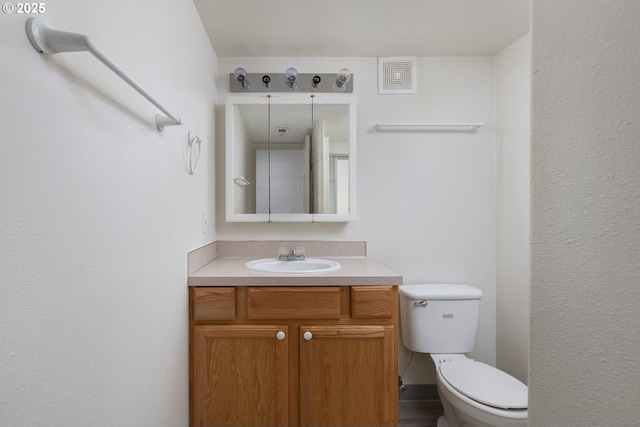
x: 362, y: 28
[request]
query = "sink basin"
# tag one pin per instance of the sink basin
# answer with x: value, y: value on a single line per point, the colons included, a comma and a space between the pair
x: 309, y: 265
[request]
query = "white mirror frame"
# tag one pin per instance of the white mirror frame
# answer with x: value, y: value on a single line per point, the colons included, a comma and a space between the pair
x: 280, y: 99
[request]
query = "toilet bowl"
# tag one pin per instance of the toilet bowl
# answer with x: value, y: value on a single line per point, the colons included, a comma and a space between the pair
x: 475, y: 394
x: 443, y: 320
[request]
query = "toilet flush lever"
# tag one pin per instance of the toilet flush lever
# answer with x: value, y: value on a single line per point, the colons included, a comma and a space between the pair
x: 421, y: 303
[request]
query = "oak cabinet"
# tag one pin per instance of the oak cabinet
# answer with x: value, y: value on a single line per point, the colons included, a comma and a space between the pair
x: 293, y: 356
x: 347, y: 376
x: 240, y: 367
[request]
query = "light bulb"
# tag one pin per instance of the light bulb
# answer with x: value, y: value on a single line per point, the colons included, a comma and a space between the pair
x: 291, y: 79
x: 240, y: 75
x: 344, y: 75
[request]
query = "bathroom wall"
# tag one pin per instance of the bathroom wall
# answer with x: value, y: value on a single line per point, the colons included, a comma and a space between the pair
x: 513, y: 77
x: 585, y: 214
x: 97, y: 214
x: 426, y: 201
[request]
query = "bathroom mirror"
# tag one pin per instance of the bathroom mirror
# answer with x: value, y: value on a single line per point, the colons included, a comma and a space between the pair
x: 290, y: 158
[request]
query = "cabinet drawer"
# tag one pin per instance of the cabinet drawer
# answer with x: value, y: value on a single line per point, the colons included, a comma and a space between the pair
x: 293, y: 302
x: 371, y: 302
x: 214, y: 303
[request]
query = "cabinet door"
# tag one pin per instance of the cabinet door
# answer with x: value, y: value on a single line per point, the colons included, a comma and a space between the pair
x: 240, y: 376
x: 347, y: 376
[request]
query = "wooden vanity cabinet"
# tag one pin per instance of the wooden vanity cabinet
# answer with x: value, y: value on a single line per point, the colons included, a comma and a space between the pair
x: 293, y: 356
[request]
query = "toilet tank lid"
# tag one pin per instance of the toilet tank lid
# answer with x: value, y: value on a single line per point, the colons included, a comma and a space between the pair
x: 440, y: 291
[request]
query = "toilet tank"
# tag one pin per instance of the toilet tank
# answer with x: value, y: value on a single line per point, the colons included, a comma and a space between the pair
x: 439, y: 319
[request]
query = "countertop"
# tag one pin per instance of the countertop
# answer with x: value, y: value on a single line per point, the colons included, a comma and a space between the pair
x: 354, y: 271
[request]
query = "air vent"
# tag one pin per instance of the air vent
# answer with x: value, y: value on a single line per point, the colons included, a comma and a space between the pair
x: 397, y: 75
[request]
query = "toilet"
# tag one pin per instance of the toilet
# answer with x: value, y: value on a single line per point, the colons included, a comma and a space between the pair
x: 442, y: 320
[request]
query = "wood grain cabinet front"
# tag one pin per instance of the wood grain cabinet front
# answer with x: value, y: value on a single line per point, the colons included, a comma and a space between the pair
x: 240, y: 375
x: 293, y: 302
x: 294, y: 356
x: 347, y: 376
x: 213, y: 304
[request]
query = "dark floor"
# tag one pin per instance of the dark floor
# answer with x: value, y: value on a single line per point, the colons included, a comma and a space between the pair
x: 418, y: 414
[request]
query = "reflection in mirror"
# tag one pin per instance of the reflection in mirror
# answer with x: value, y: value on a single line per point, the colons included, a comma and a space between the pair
x: 285, y: 164
x: 297, y: 156
x: 330, y: 159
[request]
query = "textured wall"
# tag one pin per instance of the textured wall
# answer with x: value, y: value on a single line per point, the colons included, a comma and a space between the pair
x: 97, y: 213
x: 585, y: 330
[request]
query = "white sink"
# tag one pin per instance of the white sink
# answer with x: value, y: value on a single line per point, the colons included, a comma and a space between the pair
x: 309, y: 265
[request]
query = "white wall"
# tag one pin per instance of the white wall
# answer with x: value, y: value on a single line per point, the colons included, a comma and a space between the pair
x: 426, y: 202
x: 97, y: 213
x: 585, y: 214
x: 513, y: 77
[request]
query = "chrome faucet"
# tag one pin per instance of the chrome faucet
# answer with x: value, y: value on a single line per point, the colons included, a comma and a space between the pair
x: 292, y: 255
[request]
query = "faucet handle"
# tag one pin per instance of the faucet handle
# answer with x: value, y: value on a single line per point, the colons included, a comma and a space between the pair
x: 291, y: 255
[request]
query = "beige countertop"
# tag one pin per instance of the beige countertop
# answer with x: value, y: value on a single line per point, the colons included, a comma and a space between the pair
x: 354, y: 271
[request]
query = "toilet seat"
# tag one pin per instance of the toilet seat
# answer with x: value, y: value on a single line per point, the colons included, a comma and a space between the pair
x: 485, y: 384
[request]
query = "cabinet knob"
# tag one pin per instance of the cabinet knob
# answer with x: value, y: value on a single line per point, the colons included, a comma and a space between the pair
x: 281, y: 335
x: 307, y: 335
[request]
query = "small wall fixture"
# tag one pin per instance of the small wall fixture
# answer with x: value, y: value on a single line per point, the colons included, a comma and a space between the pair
x: 241, y: 181
x: 193, y: 153
x: 397, y: 75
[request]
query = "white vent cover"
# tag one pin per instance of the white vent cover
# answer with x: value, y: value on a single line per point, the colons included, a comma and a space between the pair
x: 397, y: 75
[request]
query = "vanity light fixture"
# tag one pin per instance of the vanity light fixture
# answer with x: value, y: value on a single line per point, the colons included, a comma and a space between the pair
x: 291, y: 79
x: 240, y: 75
x: 344, y: 75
